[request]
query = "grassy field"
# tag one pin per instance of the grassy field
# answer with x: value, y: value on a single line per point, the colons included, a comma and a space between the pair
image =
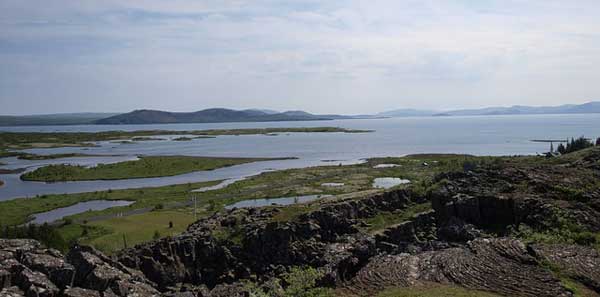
x: 144, y: 167
x: 25, y: 140
x: 435, y: 290
x: 25, y: 156
x: 385, y: 220
x: 18, y: 211
x: 137, y: 228
x: 357, y: 181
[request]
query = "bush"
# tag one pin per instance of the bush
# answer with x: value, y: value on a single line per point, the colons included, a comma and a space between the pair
x: 584, y: 238
x: 302, y: 283
x: 46, y: 234
x: 299, y: 282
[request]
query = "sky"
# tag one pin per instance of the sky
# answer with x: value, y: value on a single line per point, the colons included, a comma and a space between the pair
x: 334, y: 56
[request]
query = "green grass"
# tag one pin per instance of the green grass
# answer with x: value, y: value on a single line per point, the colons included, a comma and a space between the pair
x: 142, y: 138
x: 145, y: 167
x: 25, y: 156
x: 182, y: 139
x: 24, y: 140
x: 305, y: 181
x: 136, y: 229
x: 435, y: 290
x: 385, y: 220
x: 18, y: 211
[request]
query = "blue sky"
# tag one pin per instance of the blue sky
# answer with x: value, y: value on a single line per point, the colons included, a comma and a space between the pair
x: 321, y: 56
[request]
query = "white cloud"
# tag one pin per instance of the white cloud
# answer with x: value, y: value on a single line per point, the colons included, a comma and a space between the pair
x: 338, y: 57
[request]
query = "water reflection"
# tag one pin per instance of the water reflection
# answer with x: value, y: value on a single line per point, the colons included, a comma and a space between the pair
x: 59, y: 213
x: 275, y: 201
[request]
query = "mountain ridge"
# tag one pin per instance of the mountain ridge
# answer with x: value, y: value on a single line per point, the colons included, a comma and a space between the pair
x: 211, y: 115
x: 588, y: 107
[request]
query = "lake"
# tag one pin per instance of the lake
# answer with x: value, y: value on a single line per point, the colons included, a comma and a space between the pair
x: 477, y: 135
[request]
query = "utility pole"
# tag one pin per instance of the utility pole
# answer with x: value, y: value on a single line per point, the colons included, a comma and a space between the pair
x: 195, y: 207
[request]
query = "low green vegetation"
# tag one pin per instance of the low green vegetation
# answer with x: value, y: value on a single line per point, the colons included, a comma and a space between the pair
x: 385, y: 220
x: 5, y: 153
x: 25, y: 140
x: 46, y: 234
x: 578, y: 289
x: 144, y: 167
x: 25, y: 156
x: 435, y: 290
x: 141, y: 138
x: 568, y: 281
x: 357, y: 180
x: 562, y: 230
x: 18, y: 211
x: 183, y: 138
x: 298, y: 282
x: 120, y: 232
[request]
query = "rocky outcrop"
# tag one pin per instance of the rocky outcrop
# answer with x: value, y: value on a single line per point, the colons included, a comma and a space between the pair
x: 469, y: 239
x: 28, y: 269
x: 503, y: 266
x: 578, y: 262
x: 266, y: 248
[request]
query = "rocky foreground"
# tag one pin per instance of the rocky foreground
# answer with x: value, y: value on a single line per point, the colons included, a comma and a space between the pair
x: 519, y: 227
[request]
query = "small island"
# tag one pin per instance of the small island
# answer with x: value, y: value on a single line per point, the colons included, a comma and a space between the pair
x: 154, y: 166
x: 27, y: 140
x: 183, y: 138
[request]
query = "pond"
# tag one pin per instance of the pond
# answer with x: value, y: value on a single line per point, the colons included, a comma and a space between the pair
x: 59, y: 213
x: 378, y: 166
x: 275, y: 201
x: 389, y: 182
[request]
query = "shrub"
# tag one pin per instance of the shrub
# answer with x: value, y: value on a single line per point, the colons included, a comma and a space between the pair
x: 585, y: 238
x: 302, y: 283
x: 46, y: 234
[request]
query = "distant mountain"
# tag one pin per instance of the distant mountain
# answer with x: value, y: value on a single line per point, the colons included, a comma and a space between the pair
x: 590, y: 107
x: 267, y: 111
x: 407, y: 112
x: 213, y: 115
x: 53, y: 119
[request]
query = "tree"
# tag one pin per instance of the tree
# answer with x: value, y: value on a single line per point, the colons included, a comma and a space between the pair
x: 574, y: 145
x: 156, y: 235
x: 598, y: 141
x: 561, y: 149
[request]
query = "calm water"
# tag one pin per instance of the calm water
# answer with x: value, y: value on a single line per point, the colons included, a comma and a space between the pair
x: 490, y: 135
x: 388, y: 182
x: 275, y: 201
x: 59, y: 213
